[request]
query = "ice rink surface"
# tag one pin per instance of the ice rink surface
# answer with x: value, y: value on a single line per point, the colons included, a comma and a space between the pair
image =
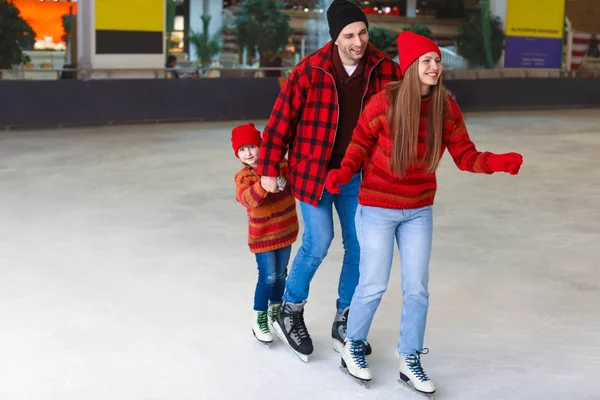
x: 125, y: 275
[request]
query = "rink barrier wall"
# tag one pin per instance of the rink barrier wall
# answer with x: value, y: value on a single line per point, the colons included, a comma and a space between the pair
x: 25, y: 104
x: 506, y: 94
x: 101, y: 102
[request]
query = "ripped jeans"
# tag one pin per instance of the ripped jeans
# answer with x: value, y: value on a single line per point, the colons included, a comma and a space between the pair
x: 272, y: 272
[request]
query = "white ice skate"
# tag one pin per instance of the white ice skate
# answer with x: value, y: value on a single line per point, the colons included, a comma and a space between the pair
x: 413, y: 376
x: 354, y: 361
x: 260, y: 328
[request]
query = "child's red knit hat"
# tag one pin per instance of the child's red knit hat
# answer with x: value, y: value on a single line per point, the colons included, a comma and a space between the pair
x: 411, y: 46
x: 243, y: 135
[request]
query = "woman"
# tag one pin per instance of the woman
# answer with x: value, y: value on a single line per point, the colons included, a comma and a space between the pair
x: 400, y: 138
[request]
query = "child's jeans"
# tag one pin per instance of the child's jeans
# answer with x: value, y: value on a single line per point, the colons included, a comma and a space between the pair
x: 272, y: 271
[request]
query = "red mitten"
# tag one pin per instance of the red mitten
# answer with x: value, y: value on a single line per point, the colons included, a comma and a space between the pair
x: 336, y: 178
x: 509, y: 162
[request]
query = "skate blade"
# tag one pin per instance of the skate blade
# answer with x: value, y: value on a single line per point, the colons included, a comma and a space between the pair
x: 362, y: 382
x: 279, y: 333
x: 430, y: 396
x: 268, y: 344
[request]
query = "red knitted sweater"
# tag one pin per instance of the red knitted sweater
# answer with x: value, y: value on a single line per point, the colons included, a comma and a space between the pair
x: 272, y: 218
x: 372, y: 145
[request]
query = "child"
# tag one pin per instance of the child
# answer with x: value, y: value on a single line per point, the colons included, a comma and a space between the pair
x: 272, y: 227
x: 398, y: 142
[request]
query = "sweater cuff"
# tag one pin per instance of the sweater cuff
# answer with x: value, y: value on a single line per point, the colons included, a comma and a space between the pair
x: 485, y: 166
x: 259, y: 190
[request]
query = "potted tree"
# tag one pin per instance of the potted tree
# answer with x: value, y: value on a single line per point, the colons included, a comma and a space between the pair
x: 420, y: 29
x: 471, y: 42
x: 16, y: 35
x: 384, y: 39
x: 206, y: 47
x: 260, y: 25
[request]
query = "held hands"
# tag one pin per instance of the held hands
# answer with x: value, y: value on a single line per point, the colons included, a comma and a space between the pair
x: 336, y: 178
x: 269, y: 183
x: 281, y: 183
x: 508, y: 162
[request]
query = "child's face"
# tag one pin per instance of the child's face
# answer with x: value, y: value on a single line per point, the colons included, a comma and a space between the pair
x: 248, y: 154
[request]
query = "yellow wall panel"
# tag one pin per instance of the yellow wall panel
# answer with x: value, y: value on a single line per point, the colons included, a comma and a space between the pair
x: 535, y: 18
x: 130, y: 15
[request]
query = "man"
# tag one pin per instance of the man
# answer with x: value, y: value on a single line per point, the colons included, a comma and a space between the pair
x: 314, y: 117
x: 171, y: 66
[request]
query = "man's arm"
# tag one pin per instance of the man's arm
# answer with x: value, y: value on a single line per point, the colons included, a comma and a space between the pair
x: 281, y: 128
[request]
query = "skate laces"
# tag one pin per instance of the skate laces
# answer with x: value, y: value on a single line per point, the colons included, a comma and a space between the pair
x: 413, y: 361
x: 357, y: 351
x: 274, y: 310
x: 298, y: 325
x: 261, y: 320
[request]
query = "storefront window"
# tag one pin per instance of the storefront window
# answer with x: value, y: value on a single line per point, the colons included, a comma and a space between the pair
x: 176, y: 43
x: 46, y: 19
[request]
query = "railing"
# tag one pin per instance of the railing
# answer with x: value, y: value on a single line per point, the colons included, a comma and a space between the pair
x: 451, y: 72
x: 451, y: 60
x: 140, y: 73
x: 592, y: 63
x: 501, y: 73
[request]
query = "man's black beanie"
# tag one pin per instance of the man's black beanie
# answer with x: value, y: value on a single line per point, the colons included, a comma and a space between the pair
x: 342, y: 13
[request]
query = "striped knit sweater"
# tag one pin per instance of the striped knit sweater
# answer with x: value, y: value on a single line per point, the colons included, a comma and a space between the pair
x: 272, y: 218
x: 372, y: 145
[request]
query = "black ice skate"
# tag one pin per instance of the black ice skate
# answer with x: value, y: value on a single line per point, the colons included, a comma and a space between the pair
x: 289, y: 326
x: 338, y: 332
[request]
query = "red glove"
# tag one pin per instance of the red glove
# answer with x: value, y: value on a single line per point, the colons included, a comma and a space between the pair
x: 336, y: 178
x: 509, y: 162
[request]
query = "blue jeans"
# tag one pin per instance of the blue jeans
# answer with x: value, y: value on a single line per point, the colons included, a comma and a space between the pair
x: 272, y: 270
x: 316, y: 239
x: 413, y: 231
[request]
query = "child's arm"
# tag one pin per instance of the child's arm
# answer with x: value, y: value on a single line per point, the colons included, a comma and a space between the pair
x: 250, y: 194
x: 465, y: 155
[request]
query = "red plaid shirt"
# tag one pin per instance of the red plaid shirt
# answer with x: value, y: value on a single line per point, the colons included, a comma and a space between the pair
x: 304, y: 119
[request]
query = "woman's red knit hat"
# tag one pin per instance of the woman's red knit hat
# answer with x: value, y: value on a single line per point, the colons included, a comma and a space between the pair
x: 411, y: 46
x: 243, y: 135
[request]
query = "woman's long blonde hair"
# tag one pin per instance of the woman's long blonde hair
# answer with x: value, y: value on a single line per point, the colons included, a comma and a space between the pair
x: 403, y: 119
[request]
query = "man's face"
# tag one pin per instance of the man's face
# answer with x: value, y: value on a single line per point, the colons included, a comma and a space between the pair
x: 352, y: 42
